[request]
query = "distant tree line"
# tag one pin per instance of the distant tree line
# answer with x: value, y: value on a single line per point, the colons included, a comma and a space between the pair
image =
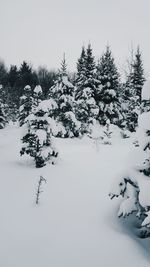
x: 97, y: 91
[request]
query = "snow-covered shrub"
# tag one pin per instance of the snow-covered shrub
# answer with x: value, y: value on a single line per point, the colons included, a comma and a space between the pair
x: 72, y: 125
x: 37, y: 138
x: 125, y: 133
x: 134, y: 186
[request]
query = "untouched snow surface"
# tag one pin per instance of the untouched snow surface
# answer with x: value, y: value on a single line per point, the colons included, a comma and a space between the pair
x: 75, y: 224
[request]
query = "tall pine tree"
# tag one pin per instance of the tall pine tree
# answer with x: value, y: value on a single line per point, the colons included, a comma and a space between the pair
x: 63, y: 93
x: 133, y: 91
x: 137, y: 76
x: 86, y: 85
x: 108, y: 93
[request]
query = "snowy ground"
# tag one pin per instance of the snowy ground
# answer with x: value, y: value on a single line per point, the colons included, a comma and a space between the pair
x: 75, y: 224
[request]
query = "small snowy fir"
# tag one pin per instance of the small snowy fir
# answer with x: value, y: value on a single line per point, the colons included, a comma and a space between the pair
x: 37, y: 137
x: 64, y: 110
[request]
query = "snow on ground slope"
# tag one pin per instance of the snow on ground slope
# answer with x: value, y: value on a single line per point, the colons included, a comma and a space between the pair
x: 75, y: 224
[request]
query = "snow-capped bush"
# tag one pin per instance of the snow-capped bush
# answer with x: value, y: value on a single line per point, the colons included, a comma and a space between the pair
x: 134, y: 186
x: 72, y: 125
x: 105, y: 135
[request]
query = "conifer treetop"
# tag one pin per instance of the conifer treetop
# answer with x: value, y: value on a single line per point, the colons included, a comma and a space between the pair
x: 63, y: 69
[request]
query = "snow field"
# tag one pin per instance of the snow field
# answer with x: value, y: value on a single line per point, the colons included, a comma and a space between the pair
x: 75, y: 224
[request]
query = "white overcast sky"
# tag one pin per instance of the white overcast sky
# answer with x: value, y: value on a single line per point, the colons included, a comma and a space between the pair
x: 39, y: 31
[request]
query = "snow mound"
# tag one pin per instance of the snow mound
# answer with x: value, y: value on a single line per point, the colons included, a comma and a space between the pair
x: 38, y: 89
x: 27, y: 87
x: 47, y: 105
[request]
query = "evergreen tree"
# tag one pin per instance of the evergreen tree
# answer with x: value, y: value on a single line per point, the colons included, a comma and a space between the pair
x: 26, y: 103
x: 86, y: 72
x: 3, y: 74
x: 130, y: 107
x: 134, y: 185
x: 13, y: 76
x: 132, y: 91
x: 90, y: 67
x: 63, y: 93
x: 37, y: 139
x: 80, y: 72
x: 137, y: 76
x: 63, y: 69
x: 86, y: 86
x: 108, y: 91
x: 13, y: 91
x: 27, y: 76
x: 46, y: 79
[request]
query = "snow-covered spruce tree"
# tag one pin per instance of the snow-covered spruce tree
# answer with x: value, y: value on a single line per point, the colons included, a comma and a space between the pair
x: 37, y: 139
x: 137, y: 75
x: 134, y: 186
x: 129, y: 106
x: 86, y: 86
x: 26, y: 103
x: 108, y: 94
x: 131, y: 99
x: 63, y: 93
x: 80, y: 77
